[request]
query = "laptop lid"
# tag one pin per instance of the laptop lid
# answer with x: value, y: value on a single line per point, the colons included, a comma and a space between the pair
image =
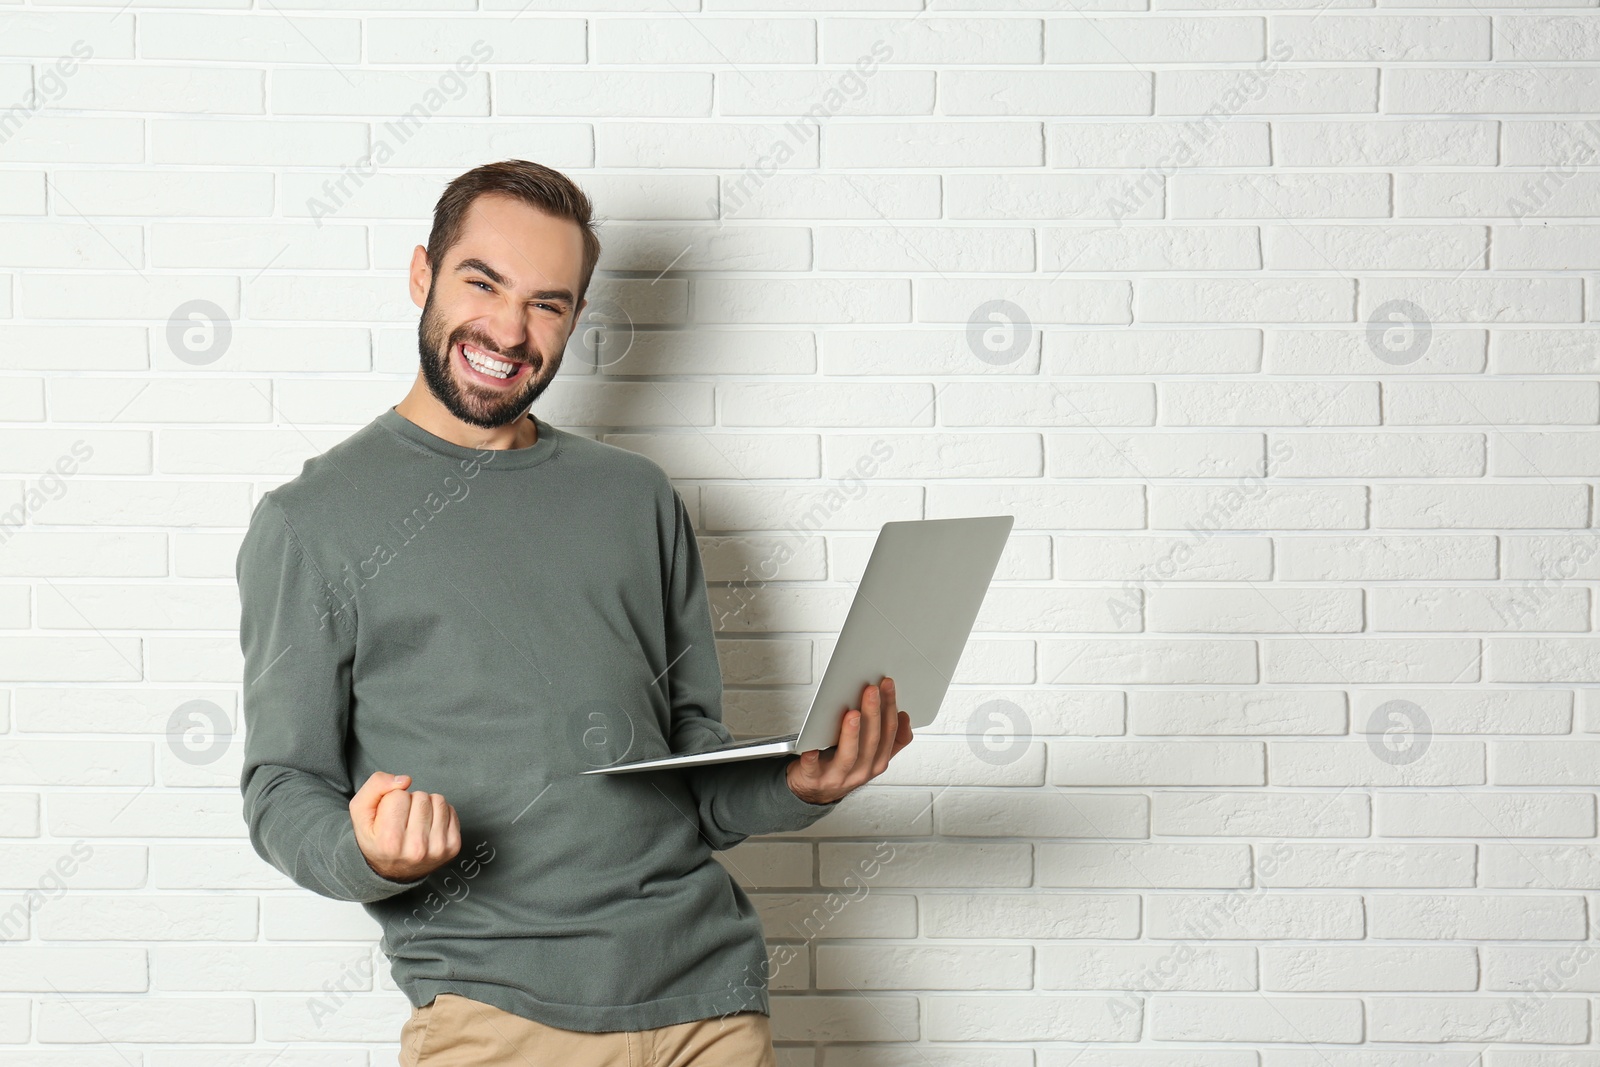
x: 912, y: 614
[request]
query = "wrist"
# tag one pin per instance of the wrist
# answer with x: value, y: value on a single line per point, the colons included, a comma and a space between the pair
x: 809, y: 796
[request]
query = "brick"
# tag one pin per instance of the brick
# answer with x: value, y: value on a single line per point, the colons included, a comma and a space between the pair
x: 1468, y: 507
x: 1435, y: 608
x: 1458, y: 196
x: 1030, y: 915
x: 1387, y: 38
x: 1549, y: 141
x: 975, y: 813
x: 1157, y: 144
x: 1156, y: 558
x: 1054, y: 507
x: 1256, y: 610
x: 1390, y: 142
x: 1548, y: 659
x: 923, y: 248
x: 667, y: 41
x: 1489, y: 403
x: 1368, y: 968
x: 1030, y: 1018
x: 1284, y: 90
x: 1391, y: 557
x: 1388, y: 455
x: 1114, y: 763
x: 1235, y: 300
x: 1491, y: 814
x: 1247, y: 712
x: 1545, y: 247
x: 1460, y: 300
x: 1268, y: 814
x: 943, y: 41
x: 1376, y: 247
x: 860, y: 967
x: 536, y: 42
x: 1346, y: 351
x: 1257, y: 505
x: 1556, y: 1020
x: 754, y: 145
x: 456, y: 91
x: 1333, y: 1020
x: 1470, y: 711
x: 245, y: 39
x: 1138, y: 865
x: 1544, y: 762
x: 1154, y: 39
x: 598, y: 94
x: 1307, y: 195
x: 933, y: 144
x: 1050, y: 93
x: 1373, y: 866
x: 1541, y: 454
x: 1478, y: 917
x: 1413, y: 90
x: 1144, y: 968
x: 1568, y: 969
x: 1346, y: 763
x: 1255, y: 916
x: 1054, y: 196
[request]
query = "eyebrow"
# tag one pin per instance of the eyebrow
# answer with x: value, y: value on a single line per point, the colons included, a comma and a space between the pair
x: 473, y: 264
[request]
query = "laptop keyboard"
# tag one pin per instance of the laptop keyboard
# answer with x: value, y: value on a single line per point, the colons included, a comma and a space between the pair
x: 747, y: 743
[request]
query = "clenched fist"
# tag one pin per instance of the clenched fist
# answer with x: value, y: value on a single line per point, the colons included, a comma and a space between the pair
x: 403, y: 835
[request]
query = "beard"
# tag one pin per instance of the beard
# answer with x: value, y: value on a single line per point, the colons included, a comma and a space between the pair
x: 475, y: 404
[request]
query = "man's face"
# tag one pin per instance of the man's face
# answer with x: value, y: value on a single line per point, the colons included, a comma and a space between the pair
x: 505, y: 293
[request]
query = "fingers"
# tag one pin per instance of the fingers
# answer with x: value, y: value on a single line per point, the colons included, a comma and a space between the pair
x: 868, y: 739
x: 903, y: 734
x: 848, y: 746
x: 871, y: 729
x: 417, y: 830
x: 889, y: 730
x: 444, y: 838
x: 403, y: 835
x: 418, y: 826
x: 859, y: 736
x: 433, y: 831
x: 390, y: 820
x: 365, y: 802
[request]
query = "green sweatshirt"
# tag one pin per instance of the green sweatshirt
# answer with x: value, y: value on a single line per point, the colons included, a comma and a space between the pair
x: 492, y: 623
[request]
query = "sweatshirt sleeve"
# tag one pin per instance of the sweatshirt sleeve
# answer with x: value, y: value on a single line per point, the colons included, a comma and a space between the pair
x: 734, y: 800
x: 298, y: 640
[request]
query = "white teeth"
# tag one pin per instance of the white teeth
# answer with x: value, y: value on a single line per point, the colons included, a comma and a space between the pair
x: 488, y: 364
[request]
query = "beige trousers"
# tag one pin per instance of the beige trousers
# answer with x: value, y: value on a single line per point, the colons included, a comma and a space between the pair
x: 457, y: 1031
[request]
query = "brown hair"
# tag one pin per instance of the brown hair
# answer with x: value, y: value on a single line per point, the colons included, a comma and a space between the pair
x: 534, y: 184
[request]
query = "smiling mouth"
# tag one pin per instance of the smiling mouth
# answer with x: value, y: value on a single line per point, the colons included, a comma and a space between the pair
x: 489, y: 368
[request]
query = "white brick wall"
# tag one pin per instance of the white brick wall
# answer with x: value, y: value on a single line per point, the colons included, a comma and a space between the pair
x: 1268, y: 319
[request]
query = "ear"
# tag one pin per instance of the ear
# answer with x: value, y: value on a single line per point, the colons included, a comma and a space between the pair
x: 421, y: 275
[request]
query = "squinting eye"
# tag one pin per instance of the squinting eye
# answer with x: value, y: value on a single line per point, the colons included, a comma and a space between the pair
x: 484, y: 284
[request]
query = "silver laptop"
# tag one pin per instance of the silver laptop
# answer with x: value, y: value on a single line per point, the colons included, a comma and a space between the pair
x: 910, y: 621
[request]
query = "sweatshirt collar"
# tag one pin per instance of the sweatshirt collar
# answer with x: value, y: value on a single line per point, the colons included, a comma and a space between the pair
x: 545, y: 447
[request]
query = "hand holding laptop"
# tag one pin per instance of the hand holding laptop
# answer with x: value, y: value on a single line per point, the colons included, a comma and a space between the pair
x: 912, y: 614
x: 869, y: 738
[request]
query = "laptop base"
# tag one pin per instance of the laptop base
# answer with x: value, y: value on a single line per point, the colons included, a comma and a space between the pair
x: 777, y: 745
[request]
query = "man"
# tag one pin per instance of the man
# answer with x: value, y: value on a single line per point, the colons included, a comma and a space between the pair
x: 452, y: 613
